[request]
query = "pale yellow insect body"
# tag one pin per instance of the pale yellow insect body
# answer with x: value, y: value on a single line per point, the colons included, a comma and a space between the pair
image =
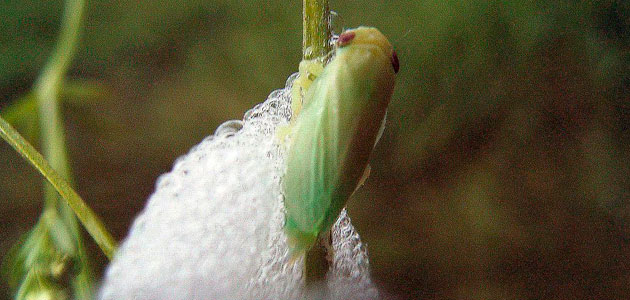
x: 334, y: 133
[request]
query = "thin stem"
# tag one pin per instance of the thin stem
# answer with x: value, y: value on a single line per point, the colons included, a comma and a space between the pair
x: 316, y: 32
x: 47, y: 92
x: 90, y: 220
x: 316, y: 43
x: 54, y: 146
x: 316, y: 266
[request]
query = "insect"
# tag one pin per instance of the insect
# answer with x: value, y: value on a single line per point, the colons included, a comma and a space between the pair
x: 333, y: 135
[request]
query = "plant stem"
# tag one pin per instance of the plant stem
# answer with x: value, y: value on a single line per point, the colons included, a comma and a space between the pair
x: 54, y: 147
x: 90, y: 220
x: 316, y: 266
x: 47, y: 93
x: 47, y: 89
x: 316, y: 43
x: 316, y: 29
x: 55, y: 167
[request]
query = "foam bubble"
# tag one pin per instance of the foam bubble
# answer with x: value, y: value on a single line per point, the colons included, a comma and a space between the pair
x: 213, y: 227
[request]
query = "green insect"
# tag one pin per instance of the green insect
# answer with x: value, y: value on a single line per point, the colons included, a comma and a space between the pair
x: 333, y: 136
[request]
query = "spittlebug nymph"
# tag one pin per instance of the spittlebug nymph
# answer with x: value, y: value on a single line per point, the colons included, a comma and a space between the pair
x: 334, y: 133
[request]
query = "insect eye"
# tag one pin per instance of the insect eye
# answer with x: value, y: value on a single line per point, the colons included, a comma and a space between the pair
x: 345, y: 38
x: 395, y: 62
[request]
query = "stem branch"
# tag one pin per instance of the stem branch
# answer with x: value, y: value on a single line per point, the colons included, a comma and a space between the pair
x: 89, y: 219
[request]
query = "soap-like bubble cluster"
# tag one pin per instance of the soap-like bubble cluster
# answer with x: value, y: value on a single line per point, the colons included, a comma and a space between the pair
x: 213, y: 227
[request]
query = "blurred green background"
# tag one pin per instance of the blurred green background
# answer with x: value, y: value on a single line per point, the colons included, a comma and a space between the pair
x: 502, y: 173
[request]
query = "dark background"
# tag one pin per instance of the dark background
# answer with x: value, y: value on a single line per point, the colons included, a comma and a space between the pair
x: 502, y: 173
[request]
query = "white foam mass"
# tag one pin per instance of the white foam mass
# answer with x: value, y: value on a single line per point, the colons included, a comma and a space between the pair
x: 213, y: 227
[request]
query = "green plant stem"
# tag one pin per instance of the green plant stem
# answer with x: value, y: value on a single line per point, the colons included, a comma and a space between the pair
x: 90, y: 220
x: 316, y: 32
x: 53, y: 141
x: 316, y: 43
x: 47, y: 89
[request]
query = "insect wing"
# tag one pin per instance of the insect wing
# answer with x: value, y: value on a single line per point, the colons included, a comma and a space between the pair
x: 312, y: 167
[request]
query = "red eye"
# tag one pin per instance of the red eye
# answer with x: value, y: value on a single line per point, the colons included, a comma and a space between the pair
x: 345, y: 38
x: 395, y: 62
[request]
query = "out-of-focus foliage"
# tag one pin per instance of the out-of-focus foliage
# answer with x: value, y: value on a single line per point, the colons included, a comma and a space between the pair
x: 501, y: 174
